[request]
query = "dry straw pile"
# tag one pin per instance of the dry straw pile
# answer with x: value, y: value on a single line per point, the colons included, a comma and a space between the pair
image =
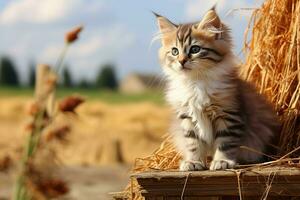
x: 273, y: 65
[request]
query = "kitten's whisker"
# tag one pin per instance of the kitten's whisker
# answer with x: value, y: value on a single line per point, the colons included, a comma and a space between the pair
x: 158, y: 81
x: 156, y: 37
x: 231, y: 11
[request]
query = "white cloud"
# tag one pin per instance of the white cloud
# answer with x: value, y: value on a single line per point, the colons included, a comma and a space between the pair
x: 33, y: 30
x: 95, y: 46
x: 89, y: 47
x: 95, y: 43
x: 100, y: 46
x: 111, y: 41
x: 84, y: 49
x: 196, y: 8
x: 43, y: 11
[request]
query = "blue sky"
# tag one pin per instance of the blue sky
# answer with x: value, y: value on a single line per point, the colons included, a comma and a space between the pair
x: 116, y: 31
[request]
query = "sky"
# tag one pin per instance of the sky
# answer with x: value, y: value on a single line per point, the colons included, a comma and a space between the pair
x: 115, y: 31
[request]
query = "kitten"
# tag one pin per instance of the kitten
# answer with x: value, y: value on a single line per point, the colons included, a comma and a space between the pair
x: 217, y: 112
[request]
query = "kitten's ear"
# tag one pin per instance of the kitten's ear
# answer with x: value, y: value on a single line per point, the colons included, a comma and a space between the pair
x: 164, y: 24
x: 211, y: 22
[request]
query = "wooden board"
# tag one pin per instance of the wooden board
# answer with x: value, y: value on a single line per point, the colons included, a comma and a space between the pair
x: 254, y: 184
x: 119, y: 195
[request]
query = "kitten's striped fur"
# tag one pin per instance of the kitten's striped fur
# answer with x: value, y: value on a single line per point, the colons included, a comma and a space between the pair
x: 216, y: 112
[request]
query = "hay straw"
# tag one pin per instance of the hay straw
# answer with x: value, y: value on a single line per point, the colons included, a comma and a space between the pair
x: 184, y: 186
x: 164, y: 158
x: 273, y: 65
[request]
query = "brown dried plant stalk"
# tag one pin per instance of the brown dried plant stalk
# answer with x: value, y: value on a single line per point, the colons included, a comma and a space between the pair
x: 42, y: 112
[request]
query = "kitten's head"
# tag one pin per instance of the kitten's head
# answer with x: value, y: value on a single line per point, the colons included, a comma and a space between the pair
x: 189, y: 49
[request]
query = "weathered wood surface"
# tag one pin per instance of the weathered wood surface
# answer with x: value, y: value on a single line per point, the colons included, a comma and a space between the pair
x: 119, y: 195
x: 284, y: 182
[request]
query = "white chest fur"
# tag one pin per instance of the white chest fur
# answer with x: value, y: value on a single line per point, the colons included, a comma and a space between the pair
x: 192, y: 97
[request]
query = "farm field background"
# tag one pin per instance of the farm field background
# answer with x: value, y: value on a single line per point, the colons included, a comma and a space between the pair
x: 109, y: 131
x: 89, y: 93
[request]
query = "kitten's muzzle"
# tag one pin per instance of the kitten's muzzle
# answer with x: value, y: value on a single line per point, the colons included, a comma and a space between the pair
x: 183, y: 61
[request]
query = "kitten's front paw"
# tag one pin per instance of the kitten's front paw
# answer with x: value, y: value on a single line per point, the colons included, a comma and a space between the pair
x: 191, y: 165
x: 222, y: 164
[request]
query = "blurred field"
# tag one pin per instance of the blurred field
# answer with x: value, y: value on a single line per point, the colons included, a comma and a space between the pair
x: 110, y: 129
x: 90, y: 93
x: 137, y: 122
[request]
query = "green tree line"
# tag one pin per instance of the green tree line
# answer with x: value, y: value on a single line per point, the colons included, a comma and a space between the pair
x: 9, y: 76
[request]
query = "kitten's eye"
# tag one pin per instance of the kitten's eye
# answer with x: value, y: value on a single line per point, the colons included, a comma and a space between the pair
x: 175, y: 51
x: 195, y: 49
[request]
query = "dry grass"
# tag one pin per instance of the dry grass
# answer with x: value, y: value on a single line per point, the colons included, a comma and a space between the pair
x: 273, y: 65
x: 164, y: 158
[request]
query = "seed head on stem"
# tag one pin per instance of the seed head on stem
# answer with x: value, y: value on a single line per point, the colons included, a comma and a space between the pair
x: 72, y: 35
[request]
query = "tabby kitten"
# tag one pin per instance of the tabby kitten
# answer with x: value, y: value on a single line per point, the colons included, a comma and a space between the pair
x: 217, y: 112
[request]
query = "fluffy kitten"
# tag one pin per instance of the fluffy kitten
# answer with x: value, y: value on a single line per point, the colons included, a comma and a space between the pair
x: 217, y: 112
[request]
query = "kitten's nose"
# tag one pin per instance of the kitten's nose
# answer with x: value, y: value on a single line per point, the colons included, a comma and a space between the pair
x: 183, y: 60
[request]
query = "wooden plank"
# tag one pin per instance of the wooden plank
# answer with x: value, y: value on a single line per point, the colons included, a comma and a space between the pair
x: 285, y: 182
x: 288, y: 171
x: 119, y: 195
